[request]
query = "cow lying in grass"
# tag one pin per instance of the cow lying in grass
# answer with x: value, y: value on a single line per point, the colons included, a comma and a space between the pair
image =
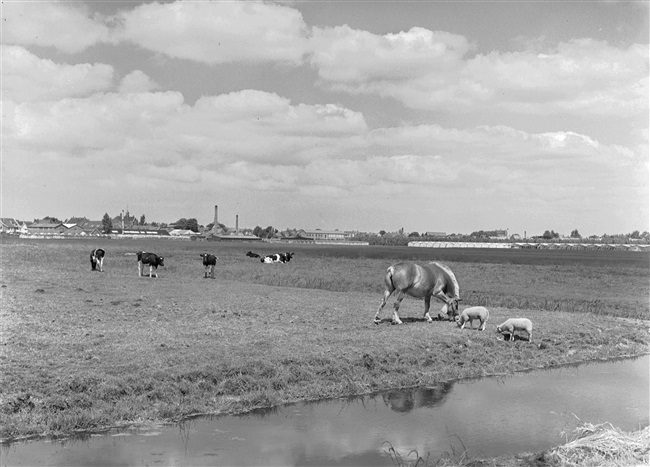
x: 152, y: 260
x: 470, y: 314
x: 209, y: 261
x: 277, y: 258
x: 250, y: 254
x: 516, y: 324
x: 97, y: 259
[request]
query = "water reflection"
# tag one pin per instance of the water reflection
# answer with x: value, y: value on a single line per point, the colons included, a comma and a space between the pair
x: 492, y: 416
x: 405, y: 400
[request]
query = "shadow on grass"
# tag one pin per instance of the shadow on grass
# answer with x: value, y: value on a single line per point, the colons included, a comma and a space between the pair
x: 409, y: 319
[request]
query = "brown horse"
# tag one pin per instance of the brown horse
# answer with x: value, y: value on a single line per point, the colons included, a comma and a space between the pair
x: 431, y: 280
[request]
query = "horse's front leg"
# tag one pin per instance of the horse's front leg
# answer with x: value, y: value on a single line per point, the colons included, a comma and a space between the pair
x: 427, y: 305
x: 440, y: 295
x: 443, y: 297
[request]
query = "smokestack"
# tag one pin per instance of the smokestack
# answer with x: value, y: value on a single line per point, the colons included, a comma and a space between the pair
x: 237, y: 224
x: 216, y: 219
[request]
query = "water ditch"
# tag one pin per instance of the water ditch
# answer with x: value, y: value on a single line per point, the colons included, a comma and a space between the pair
x: 524, y: 412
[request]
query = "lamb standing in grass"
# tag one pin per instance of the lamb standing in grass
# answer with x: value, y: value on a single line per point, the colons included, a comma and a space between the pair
x: 516, y: 324
x: 470, y: 314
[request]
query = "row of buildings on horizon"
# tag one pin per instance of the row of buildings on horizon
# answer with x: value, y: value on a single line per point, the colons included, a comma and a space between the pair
x: 129, y: 226
x: 126, y: 225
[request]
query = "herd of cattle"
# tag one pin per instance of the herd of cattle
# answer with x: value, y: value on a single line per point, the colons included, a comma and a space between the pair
x: 153, y: 261
x: 405, y: 278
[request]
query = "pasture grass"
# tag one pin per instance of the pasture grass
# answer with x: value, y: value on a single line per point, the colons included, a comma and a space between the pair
x: 85, y: 351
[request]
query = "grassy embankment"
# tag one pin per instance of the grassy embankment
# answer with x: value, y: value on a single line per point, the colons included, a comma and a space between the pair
x: 84, y: 351
x: 600, y: 445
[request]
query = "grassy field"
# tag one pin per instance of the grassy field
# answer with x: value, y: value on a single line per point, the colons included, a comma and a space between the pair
x: 85, y: 350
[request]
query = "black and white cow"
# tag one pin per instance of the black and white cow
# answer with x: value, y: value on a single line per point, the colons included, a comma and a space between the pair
x: 209, y: 261
x: 152, y: 260
x: 277, y: 258
x: 250, y: 254
x: 268, y: 259
x: 97, y: 259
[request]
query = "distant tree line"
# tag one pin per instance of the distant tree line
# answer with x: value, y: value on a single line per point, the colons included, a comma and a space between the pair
x: 268, y: 232
x: 383, y: 237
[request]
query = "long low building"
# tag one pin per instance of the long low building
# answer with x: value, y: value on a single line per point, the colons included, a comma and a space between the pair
x: 234, y: 237
x: 533, y: 245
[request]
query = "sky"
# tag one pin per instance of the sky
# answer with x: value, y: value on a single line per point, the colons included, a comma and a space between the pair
x: 446, y: 116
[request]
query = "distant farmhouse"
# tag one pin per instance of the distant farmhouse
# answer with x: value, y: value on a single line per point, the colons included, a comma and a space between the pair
x: 227, y: 236
x: 75, y: 226
x: 319, y: 235
x: 13, y: 226
x: 137, y: 231
x: 47, y: 227
x: 89, y: 227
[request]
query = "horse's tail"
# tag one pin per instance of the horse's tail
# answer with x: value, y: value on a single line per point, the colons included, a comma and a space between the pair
x: 388, y: 279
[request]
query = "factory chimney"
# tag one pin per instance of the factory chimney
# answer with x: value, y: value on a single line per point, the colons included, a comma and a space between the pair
x: 237, y: 224
x: 216, y: 219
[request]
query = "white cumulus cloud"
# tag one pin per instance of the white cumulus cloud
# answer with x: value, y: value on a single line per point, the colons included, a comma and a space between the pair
x: 28, y: 78
x: 430, y: 70
x: 216, y: 32
x: 138, y: 81
x: 63, y: 25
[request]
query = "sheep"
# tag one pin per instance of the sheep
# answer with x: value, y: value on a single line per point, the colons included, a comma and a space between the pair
x: 516, y: 324
x: 470, y: 314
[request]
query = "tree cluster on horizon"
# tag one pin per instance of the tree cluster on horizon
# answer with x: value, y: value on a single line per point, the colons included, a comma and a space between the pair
x: 270, y: 232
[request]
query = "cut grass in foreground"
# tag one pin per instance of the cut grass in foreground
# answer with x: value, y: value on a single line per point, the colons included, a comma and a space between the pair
x: 591, y: 446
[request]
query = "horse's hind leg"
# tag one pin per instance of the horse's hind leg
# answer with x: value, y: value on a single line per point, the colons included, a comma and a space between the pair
x: 384, y: 299
x: 396, y: 305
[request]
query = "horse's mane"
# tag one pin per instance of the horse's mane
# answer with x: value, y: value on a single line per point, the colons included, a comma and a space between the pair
x: 446, y: 269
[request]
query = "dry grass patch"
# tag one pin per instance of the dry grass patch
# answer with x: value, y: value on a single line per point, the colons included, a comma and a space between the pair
x: 601, y: 445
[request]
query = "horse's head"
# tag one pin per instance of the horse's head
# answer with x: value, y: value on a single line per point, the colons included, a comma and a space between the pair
x: 451, y: 307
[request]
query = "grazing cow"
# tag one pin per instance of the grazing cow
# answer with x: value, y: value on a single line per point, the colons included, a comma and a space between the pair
x: 277, y: 258
x: 431, y: 280
x: 250, y: 254
x: 152, y: 260
x: 209, y: 261
x: 97, y: 259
